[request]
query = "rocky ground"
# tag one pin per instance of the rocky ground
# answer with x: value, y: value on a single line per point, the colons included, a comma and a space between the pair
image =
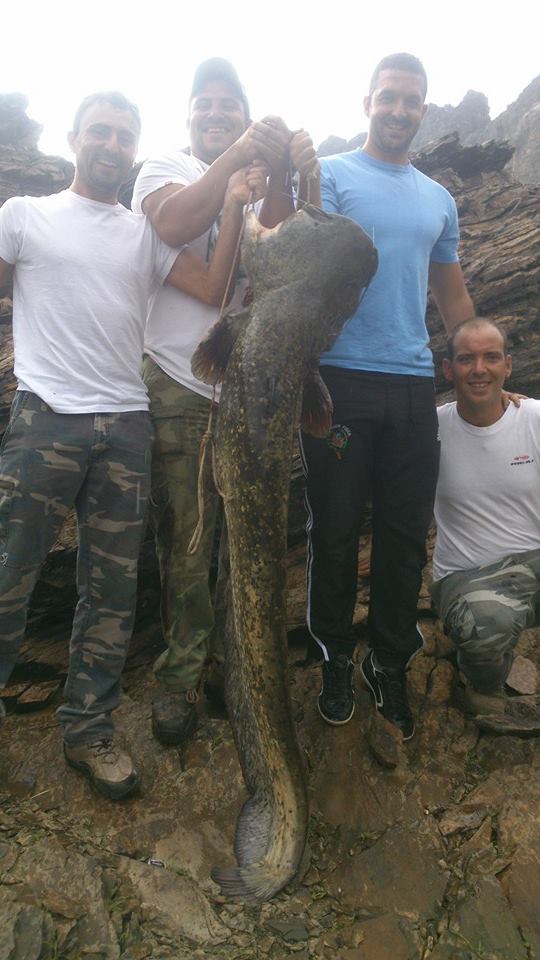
x: 438, y: 858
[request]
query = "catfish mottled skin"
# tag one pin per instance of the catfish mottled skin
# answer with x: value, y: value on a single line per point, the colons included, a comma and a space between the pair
x: 307, y: 277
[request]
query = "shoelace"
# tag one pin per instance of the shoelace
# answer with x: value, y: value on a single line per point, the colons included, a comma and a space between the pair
x: 105, y: 751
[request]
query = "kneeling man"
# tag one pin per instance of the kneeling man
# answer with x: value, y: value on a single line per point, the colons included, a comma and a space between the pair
x: 486, y: 563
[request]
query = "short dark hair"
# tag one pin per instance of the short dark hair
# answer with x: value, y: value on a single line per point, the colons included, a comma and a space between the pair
x: 116, y: 99
x: 217, y: 68
x: 399, y: 61
x: 474, y: 324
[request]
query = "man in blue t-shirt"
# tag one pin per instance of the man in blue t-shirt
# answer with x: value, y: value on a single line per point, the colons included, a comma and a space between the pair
x: 383, y: 443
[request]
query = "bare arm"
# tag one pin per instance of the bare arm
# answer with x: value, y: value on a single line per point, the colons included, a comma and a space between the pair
x: 302, y: 157
x: 447, y: 285
x: 6, y: 272
x: 278, y: 203
x: 180, y: 213
x: 208, y: 282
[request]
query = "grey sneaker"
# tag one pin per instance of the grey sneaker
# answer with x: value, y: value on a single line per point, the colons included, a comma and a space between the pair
x: 108, y: 768
x: 477, y: 703
x: 174, y: 716
x: 521, y: 718
x: 498, y: 713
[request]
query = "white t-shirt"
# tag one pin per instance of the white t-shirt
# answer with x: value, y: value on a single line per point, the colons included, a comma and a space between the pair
x: 84, y: 272
x: 178, y: 322
x: 488, y: 493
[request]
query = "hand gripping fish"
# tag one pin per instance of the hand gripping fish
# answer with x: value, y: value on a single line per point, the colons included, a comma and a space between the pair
x: 307, y: 276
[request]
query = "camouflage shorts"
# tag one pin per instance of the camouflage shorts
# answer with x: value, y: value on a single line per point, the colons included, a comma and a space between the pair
x: 484, y: 610
x: 101, y: 464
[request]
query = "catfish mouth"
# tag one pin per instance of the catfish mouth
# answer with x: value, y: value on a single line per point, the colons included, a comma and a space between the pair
x: 254, y: 230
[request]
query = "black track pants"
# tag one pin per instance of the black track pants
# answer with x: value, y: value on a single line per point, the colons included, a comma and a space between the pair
x: 383, y: 446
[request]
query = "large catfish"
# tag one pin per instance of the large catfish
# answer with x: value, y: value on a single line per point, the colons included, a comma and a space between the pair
x: 307, y: 276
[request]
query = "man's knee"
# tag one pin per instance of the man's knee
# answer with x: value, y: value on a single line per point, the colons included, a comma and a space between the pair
x: 482, y: 629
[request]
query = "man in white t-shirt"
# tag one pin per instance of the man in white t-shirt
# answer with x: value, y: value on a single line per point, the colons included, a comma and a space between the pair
x: 183, y: 196
x: 486, y: 563
x: 80, y: 432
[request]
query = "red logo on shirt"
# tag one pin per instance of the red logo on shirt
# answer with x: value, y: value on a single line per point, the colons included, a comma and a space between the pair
x: 520, y: 460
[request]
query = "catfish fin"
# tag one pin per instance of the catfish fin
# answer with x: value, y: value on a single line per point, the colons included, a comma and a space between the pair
x: 317, y: 406
x: 211, y: 357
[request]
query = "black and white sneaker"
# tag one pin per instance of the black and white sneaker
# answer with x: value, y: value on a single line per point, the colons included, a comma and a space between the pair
x: 336, y: 699
x: 389, y: 689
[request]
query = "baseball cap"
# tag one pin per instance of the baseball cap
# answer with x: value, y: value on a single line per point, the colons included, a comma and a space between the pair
x: 217, y: 68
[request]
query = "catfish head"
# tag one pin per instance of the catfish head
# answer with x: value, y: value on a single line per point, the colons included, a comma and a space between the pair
x: 317, y: 263
x: 331, y: 257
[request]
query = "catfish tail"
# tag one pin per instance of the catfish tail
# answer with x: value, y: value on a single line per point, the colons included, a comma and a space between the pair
x: 248, y: 883
x: 269, y: 847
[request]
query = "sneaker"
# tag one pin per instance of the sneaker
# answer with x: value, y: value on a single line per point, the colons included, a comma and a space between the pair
x: 521, y: 718
x: 174, y: 716
x: 476, y: 703
x: 389, y: 689
x: 108, y: 768
x: 498, y: 713
x: 336, y: 699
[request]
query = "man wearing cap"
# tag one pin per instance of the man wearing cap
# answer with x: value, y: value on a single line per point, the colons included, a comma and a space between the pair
x: 183, y: 196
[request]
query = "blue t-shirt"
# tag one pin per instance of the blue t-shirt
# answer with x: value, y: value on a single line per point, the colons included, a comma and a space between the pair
x: 412, y: 220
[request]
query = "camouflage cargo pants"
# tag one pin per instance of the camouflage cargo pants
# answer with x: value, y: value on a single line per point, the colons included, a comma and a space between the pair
x: 484, y: 610
x: 101, y: 464
x: 193, y: 625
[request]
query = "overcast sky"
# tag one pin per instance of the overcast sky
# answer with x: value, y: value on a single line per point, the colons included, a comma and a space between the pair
x: 311, y: 68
